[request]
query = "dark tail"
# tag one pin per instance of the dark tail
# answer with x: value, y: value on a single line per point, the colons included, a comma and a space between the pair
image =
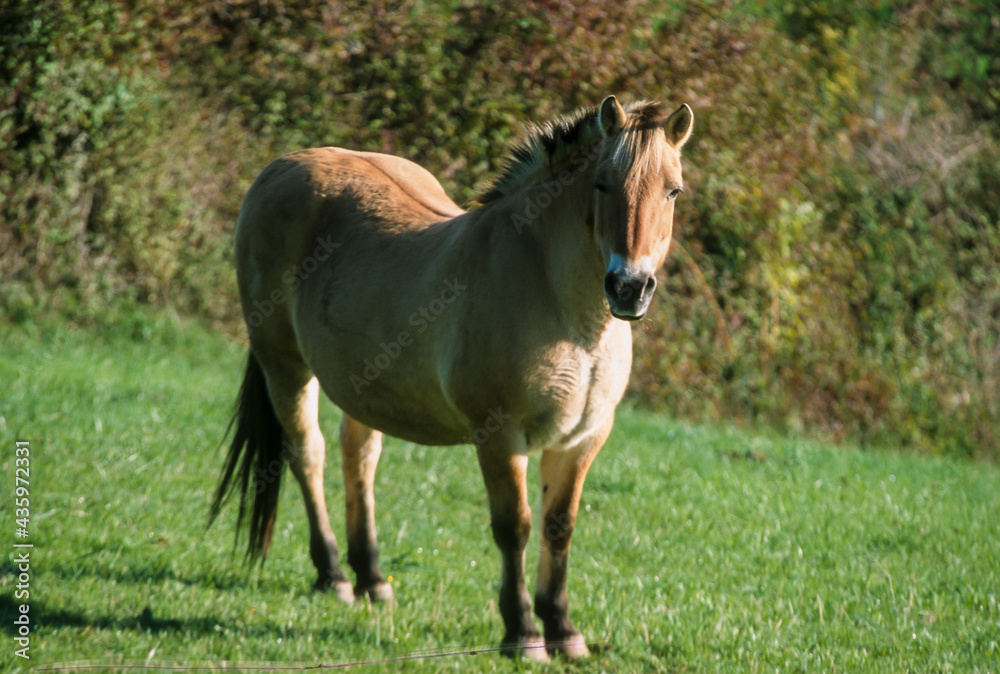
x: 255, y: 463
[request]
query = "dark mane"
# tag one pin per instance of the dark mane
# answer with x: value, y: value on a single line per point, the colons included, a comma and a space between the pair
x: 530, y: 152
x: 542, y: 144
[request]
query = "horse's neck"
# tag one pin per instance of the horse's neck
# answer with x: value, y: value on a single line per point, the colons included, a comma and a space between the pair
x: 564, y: 233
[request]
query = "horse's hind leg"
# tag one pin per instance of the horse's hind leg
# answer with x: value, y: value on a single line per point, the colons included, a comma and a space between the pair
x: 361, y: 447
x: 295, y: 395
x: 563, y: 472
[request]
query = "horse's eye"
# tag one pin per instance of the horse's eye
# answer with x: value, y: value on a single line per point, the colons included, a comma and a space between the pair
x: 601, y: 188
x: 673, y: 193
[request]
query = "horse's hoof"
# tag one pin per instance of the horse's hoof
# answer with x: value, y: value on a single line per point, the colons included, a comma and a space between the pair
x: 531, y: 649
x: 377, y: 592
x: 345, y: 592
x: 342, y: 588
x: 572, y: 647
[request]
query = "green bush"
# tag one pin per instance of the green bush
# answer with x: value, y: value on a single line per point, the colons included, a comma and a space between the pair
x: 963, y: 51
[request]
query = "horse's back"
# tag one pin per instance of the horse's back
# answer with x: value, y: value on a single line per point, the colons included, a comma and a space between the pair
x: 421, y: 189
x: 309, y: 202
x: 376, y: 181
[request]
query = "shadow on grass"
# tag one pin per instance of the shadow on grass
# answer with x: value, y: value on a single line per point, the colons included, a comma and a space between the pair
x: 41, y: 616
x: 235, y: 576
x: 146, y: 622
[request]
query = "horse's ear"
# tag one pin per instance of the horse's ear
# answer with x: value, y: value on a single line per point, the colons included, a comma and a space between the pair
x: 678, y: 126
x: 611, y: 117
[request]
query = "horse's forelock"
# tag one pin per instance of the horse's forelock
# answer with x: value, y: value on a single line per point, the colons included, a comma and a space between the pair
x: 640, y: 145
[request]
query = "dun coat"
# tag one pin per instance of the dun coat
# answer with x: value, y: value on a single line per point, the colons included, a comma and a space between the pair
x: 505, y: 327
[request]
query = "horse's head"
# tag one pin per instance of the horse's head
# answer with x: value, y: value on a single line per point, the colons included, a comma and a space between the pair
x: 638, y: 178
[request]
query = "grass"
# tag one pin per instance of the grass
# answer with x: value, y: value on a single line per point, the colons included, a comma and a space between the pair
x: 698, y: 548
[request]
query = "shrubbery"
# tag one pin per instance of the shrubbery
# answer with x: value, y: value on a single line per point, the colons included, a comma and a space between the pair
x: 835, y: 266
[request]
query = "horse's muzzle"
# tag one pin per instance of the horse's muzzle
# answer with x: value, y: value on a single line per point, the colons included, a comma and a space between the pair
x: 629, y: 293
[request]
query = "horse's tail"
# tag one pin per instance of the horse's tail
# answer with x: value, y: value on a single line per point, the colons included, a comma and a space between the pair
x: 255, y: 462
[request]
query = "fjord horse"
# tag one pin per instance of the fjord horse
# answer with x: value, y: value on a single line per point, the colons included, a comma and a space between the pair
x: 506, y: 327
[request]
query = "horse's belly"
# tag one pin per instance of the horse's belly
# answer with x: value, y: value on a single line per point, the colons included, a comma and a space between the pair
x: 406, y: 421
x: 380, y: 394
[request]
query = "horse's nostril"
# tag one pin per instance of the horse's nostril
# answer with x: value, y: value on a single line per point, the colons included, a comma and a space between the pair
x: 629, y: 290
x: 612, y: 284
x: 617, y: 287
x: 649, y: 286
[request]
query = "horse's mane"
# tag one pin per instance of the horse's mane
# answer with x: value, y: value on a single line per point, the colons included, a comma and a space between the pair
x: 543, y: 144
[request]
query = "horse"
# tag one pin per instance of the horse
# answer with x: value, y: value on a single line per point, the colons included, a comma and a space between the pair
x: 506, y: 327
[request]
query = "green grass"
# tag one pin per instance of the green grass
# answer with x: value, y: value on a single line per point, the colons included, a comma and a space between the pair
x: 698, y: 548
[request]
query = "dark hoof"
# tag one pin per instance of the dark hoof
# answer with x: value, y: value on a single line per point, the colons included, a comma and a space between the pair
x: 377, y: 592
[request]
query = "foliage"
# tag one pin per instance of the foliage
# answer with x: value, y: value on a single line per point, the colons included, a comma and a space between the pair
x: 964, y: 53
x: 835, y: 267
x: 99, y: 202
x: 698, y: 549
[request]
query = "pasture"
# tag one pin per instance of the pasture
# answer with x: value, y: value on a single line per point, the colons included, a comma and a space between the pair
x: 697, y: 548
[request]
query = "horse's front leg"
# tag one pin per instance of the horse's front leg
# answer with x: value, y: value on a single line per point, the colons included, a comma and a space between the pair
x: 563, y: 472
x: 504, y: 472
